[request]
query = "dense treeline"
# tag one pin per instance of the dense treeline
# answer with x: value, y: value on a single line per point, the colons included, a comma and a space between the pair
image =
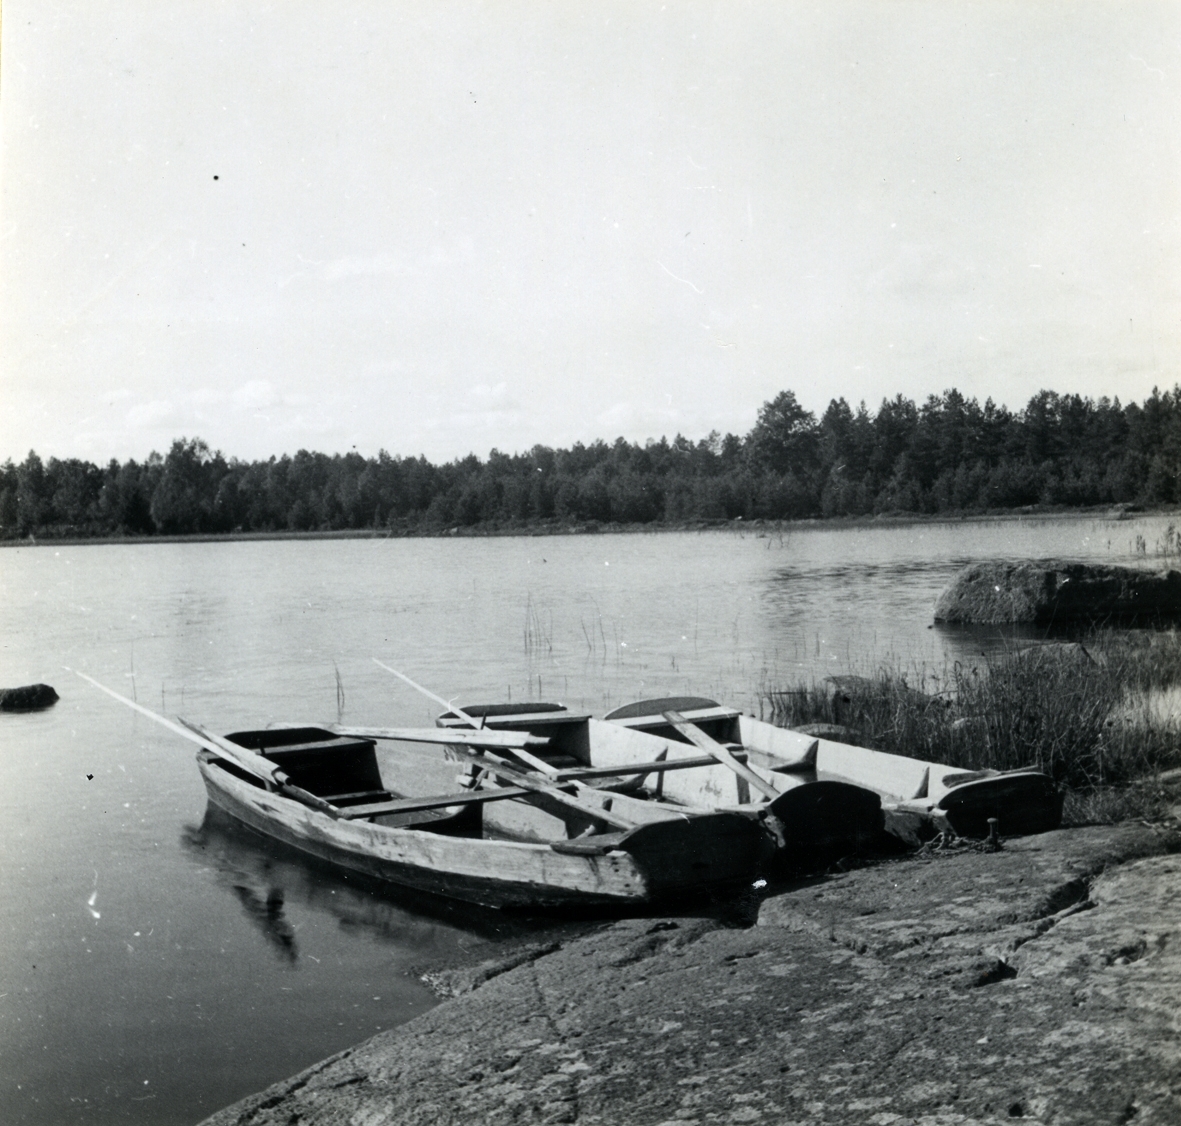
x: 949, y: 455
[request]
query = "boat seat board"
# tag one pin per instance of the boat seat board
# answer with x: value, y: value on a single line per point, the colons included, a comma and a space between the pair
x: 336, y: 745
x: 358, y: 796
x: 439, y: 801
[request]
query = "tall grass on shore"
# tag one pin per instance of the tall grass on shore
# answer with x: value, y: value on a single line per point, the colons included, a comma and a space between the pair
x: 1080, y: 711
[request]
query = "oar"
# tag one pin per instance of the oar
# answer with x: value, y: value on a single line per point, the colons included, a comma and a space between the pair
x: 503, y: 771
x: 247, y: 760
x: 285, y: 785
x: 532, y: 760
x: 493, y: 740
x: 252, y: 763
x: 712, y: 747
x: 507, y: 773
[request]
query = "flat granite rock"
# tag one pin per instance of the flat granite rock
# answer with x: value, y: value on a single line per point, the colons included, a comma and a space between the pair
x: 1041, y: 982
x: 1047, y: 593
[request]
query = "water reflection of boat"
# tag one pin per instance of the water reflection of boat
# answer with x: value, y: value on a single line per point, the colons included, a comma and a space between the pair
x: 267, y: 877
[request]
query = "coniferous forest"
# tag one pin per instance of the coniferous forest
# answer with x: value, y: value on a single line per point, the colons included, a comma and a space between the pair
x: 948, y: 456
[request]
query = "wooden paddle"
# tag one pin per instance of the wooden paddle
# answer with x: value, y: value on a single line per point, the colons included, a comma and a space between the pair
x: 284, y: 784
x: 506, y: 772
x: 493, y: 740
x: 722, y: 754
x: 248, y: 761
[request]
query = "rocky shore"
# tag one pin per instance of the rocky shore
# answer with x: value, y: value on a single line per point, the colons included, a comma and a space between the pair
x: 1040, y: 982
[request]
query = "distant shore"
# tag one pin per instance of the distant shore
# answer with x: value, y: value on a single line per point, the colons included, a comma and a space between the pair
x: 591, y: 527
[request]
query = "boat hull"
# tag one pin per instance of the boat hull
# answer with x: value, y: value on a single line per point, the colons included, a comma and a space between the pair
x: 928, y: 795
x: 659, y: 862
x: 917, y: 798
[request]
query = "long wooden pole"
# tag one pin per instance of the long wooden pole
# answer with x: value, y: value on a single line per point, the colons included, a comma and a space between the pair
x: 712, y: 747
x: 507, y: 773
x: 493, y: 740
x: 248, y: 761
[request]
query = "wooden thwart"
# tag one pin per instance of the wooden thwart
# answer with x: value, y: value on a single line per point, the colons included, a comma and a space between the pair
x: 659, y: 766
x: 442, y: 801
x: 507, y: 773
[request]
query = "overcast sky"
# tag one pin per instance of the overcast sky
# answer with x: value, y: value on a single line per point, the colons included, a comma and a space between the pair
x: 441, y: 227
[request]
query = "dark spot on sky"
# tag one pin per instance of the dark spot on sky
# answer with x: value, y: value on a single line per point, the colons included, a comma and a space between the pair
x: 90, y: 778
x: 215, y: 177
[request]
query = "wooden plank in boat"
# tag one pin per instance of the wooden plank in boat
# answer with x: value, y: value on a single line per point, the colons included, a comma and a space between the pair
x: 439, y: 801
x: 507, y: 773
x: 707, y: 787
x: 480, y: 739
x: 657, y: 766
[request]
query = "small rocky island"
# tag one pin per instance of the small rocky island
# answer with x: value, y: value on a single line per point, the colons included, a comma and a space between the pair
x: 1059, y: 593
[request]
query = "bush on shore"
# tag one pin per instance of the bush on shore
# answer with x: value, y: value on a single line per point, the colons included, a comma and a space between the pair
x: 1081, y: 712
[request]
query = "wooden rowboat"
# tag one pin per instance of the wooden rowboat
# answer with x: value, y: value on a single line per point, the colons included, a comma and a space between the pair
x: 805, y: 817
x: 321, y: 790
x: 439, y: 844
x: 918, y: 797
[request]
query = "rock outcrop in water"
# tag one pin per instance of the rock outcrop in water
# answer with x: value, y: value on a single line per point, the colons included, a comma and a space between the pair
x: 1038, y: 982
x: 28, y: 698
x: 1057, y: 593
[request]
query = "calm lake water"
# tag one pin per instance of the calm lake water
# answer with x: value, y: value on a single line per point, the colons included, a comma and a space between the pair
x: 156, y: 964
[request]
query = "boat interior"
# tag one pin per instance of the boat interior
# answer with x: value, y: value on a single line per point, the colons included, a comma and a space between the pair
x: 343, y: 770
x: 569, y: 742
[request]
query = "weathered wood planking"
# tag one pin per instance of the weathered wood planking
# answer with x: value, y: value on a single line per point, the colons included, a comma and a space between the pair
x: 665, y: 858
x: 1022, y: 801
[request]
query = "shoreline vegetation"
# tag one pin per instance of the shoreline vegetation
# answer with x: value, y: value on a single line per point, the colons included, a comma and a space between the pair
x: 949, y: 458
x: 1097, y: 714
x: 1164, y: 548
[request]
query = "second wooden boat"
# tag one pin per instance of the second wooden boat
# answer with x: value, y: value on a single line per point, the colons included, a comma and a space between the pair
x: 804, y: 816
x: 918, y: 797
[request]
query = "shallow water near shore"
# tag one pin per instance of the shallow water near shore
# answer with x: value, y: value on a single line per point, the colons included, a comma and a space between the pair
x: 155, y: 962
